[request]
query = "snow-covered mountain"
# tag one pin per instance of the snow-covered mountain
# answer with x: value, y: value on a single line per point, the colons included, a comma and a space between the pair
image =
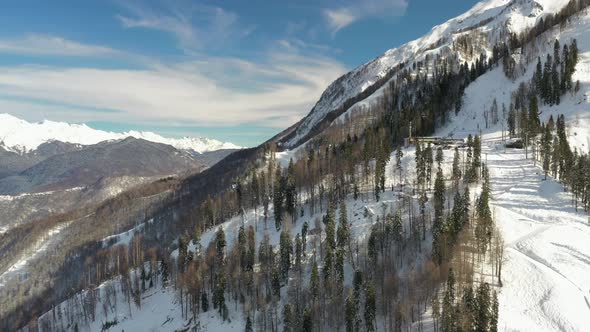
x: 489, y: 20
x: 20, y: 136
x: 545, y: 277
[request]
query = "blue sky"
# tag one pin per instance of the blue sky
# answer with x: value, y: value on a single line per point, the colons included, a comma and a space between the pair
x: 237, y: 71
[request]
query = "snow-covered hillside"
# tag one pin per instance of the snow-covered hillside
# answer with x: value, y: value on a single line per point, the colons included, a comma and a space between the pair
x: 546, y: 284
x: 493, y: 19
x: 21, y: 136
x: 545, y: 278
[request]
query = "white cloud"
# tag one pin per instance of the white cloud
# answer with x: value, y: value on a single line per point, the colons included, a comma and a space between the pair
x: 37, y: 44
x: 339, y: 18
x: 195, y: 26
x: 349, y: 12
x: 215, y: 91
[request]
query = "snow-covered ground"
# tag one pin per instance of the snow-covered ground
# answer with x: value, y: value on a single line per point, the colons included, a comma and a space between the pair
x: 159, y: 310
x: 546, y: 275
x: 51, y: 237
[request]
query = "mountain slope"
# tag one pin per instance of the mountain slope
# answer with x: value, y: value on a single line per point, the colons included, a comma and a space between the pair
x: 537, y: 202
x: 128, y: 157
x: 21, y: 136
x: 490, y: 21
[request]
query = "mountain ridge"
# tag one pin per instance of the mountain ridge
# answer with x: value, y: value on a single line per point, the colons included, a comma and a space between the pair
x: 494, y: 19
x: 20, y: 136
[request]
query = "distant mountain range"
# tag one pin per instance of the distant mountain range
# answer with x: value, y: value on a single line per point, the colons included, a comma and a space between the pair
x: 20, y: 136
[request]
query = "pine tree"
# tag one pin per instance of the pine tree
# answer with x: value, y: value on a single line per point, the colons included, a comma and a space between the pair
x: 511, y: 121
x: 523, y: 122
x: 204, y: 301
x: 242, y: 247
x: 220, y: 244
x: 482, y: 321
x: 556, y: 85
x: 357, y: 283
x: 286, y: 249
x: 399, y: 154
x: 546, y: 150
x: 420, y: 166
x: 343, y: 233
x: 314, y: 281
x: 439, y: 198
x: 547, y: 90
x: 448, y: 305
x: 278, y: 198
x: 476, y: 157
x: 439, y: 158
x: 538, y: 76
x: 429, y: 162
x: 298, y: 253
x: 290, y: 191
x: 307, y: 325
x: 494, y: 317
x: 304, y: 229
x: 370, y: 308
x: 533, y: 117
x: 350, y: 314
x: 456, y: 171
x: 555, y: 157
x: 249, y: 327
x: 288, y: 319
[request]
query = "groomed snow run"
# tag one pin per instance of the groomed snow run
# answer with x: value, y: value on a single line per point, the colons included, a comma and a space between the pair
x: 546, y: 274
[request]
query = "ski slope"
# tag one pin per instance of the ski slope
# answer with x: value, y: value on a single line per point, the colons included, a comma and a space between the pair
x: 546, y: 274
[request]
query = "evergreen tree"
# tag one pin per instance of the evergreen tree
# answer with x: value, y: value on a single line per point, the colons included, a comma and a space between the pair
x: 533, y: 117
x: 314, y: 281
x: 399, y: 154
x: 546, y: 150
x: 350, y: 314
x: 343, y: 233
x: 482, y: 320
x: 370, y: 308
x: 286, y: 249
x: 429, y: 162
x: 439, y: 198
x: 288, y: 319
x: 304, y: 230
x: 278, y: 198
x: 511, y: 121
x: 290, y: 191
x: 307, y: 325
x: 547, y: 89
x: 448, y: 305
x: 494, y: 317
x: 204, y: 301
x: 420, y: 166
x: 249, y: 327
x: 555, y: 157
x: 439, y: 158
x: 298, y: 253
x: 456, y: 172
x: 476, y: 158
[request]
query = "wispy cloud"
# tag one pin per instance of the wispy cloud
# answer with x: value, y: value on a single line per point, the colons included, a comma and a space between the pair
x: 195, y: 26
x: 275, y: 91
x: 38, y: 44
x: 349, y: 12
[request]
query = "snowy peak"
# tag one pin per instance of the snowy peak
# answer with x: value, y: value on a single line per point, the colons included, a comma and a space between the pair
x: 487, y: 22
x: 20, y: 136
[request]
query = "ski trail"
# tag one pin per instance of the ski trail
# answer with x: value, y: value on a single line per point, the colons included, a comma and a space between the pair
x: 546, y: 275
